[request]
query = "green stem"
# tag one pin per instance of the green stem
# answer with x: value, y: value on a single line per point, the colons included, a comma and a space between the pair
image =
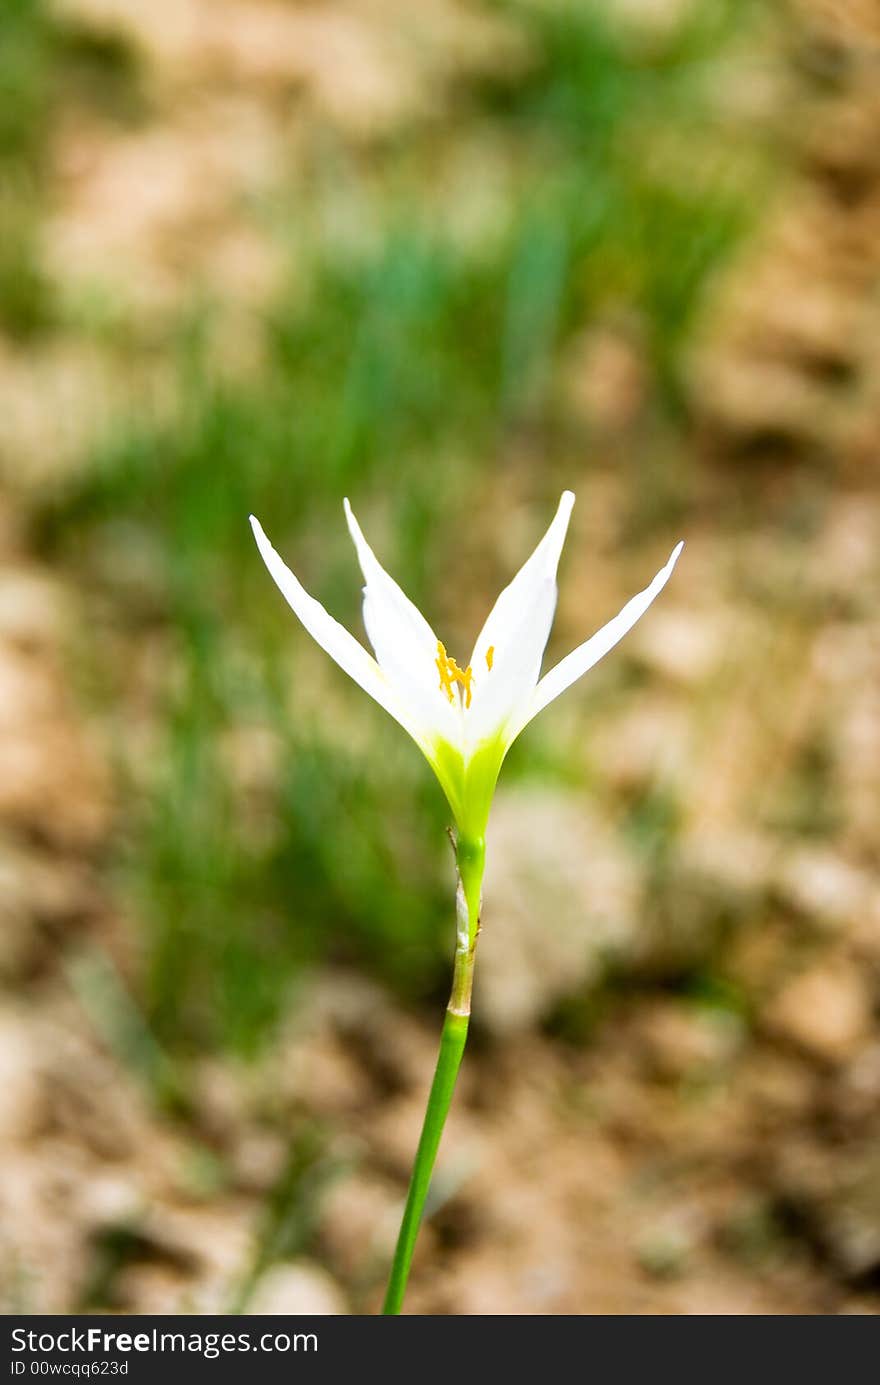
x: 452, y: 1043
x: 470, y: 857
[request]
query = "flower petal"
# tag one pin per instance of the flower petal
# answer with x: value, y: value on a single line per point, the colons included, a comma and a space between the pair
x: 586, y: 655
x: 405, y: 644
x: 517, y: 631
x: 334, y: 639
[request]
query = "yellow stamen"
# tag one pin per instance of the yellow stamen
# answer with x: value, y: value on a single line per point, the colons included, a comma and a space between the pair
x: 447, y: 677
x: 490, y: 655
x: 450, y: 674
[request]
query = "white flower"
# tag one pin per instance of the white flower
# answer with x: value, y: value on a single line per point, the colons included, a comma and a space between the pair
x: 463, y: 719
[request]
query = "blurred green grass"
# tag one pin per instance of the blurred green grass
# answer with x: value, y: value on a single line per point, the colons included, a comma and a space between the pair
x: 408, y: 373
x: 46, y: 59
x: 25, y: 90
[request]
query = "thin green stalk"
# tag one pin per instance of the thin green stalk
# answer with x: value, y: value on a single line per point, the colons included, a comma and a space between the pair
x: 470, y: 857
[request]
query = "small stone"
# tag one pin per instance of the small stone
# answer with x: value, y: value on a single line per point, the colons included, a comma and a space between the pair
x: 108, y: 1200
x: 566, y: 891
x: 33, y: 610
x: 683, y: 645
x: 650, y: 738
x: 825, y: 1010
x: 825, y: 887
x: 359, y: 1221
x: 302, y: 1289
x: 258, y: 1160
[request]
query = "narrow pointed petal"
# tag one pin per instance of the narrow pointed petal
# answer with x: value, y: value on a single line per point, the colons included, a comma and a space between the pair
x: 405, y: 644
x: 381, y: 589
x: 505, y: 618
x: 516, y: 632
x: 334, y: 639
x: 574, y: 665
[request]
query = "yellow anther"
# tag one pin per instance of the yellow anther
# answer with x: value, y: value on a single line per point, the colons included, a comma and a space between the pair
x: 451, y: 674
x: 446, y: 669
x: 465, y: 681
x: 490, y: 655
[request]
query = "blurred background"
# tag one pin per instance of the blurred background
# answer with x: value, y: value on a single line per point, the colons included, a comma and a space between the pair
x: 448, y: 260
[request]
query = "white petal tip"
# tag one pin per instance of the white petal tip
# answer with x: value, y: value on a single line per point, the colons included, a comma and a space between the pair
x: 353, y: 527
x: 674, y: 555
x: 267, y: 552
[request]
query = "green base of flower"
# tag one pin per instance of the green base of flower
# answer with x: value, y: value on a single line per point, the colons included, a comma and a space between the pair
x: 469, y: 784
